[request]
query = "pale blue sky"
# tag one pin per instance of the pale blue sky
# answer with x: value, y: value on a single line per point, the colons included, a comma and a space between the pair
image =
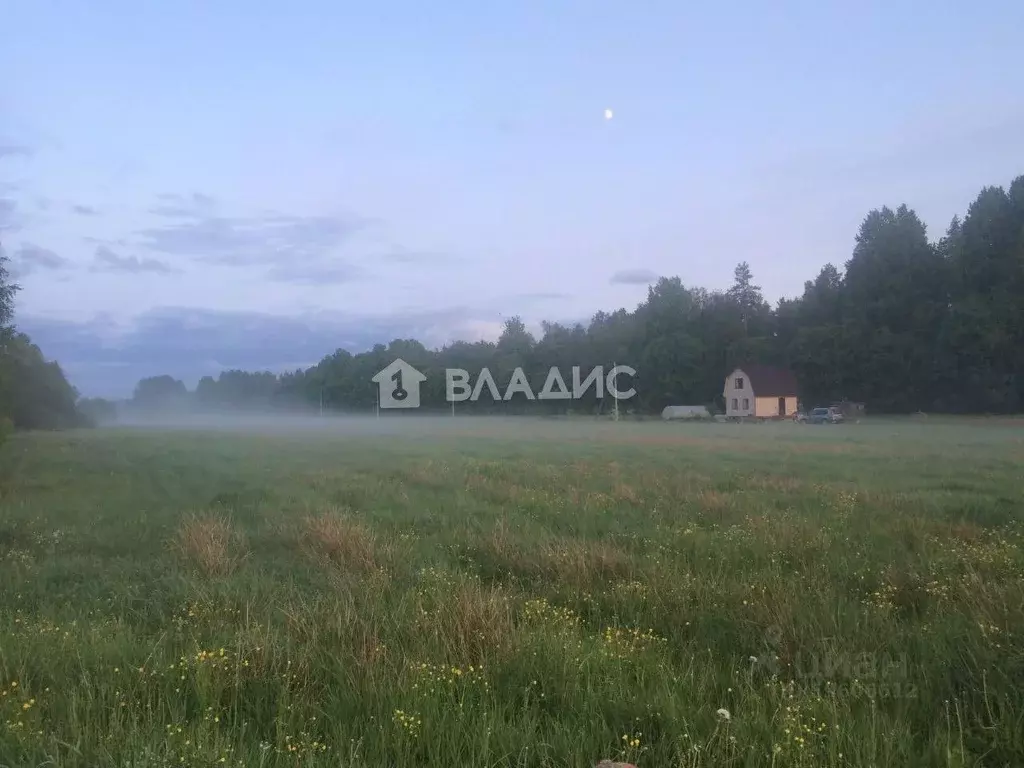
x: 173, y: 173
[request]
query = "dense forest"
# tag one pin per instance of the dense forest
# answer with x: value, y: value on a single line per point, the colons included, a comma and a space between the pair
x: 906, y: 324
x: 34, y: 394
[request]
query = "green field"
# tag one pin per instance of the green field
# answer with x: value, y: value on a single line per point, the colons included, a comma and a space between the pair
x: 484, y: 593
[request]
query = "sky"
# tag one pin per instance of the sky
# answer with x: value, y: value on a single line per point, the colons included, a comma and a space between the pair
x: 188, y: 187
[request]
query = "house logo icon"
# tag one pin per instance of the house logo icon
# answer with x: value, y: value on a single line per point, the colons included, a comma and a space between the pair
x: 398, y: 385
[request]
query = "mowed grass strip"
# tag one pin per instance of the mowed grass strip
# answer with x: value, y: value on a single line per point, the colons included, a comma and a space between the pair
x: 700, y: 596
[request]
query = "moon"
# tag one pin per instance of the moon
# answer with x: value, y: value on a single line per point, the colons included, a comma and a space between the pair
x: 608, y: 114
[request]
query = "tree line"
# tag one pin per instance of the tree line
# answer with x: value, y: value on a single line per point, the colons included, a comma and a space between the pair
x: 34, y: 393
x: 906, y: 324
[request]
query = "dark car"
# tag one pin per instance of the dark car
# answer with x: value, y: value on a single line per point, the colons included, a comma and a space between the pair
x: 825, y: 416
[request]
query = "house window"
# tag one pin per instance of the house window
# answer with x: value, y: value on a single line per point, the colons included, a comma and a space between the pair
x: 739, y: 382
x: 735, y: 407
x: 746, y: 403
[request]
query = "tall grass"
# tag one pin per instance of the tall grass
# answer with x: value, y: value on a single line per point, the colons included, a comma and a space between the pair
x: 700, y: 595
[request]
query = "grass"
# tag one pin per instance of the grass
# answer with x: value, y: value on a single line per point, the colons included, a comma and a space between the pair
x: 494, y: 593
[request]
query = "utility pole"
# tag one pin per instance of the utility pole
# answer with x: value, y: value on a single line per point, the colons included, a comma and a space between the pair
x: 616, y: 417
x: 321, y: 401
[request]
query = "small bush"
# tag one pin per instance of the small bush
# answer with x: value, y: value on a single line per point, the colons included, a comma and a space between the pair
x: 478, y: 620
x: 341, y: 540
x: 211, y: 544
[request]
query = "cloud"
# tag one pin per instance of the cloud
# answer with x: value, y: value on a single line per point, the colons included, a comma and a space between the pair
x: 85, y: 210
x: 634, y: 277
x: 121, y: 242
x: 31, y: 258
x: 507, y: 127
x: 539, y: 296
x: 14, y: 150
x: 318, y: 274
x: 181, y: 206
x: 107, y: 260
x: 404, y: 256
x: 7, y: 215
x: 197, y: 231
x: 104, y: 359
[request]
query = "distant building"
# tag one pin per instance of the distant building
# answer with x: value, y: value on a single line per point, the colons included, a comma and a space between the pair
x: 760, y: 391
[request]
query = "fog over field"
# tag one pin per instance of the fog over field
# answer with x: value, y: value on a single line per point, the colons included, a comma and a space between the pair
x: 393, y: 424
x: 914, y: 433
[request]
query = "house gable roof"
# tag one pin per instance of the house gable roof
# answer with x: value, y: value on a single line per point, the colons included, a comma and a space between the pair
x: 769, y: 381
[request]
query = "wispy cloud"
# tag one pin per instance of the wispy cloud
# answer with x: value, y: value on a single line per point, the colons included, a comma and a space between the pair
x: 29, y: 258
x: 107, y: 260
x: 120, y: 242
x: 7, y: 213
x: 540, y: 296
x: 10, y: 221
x: 85, y: 210
x: 14, y: 150
x: 634, y: 277
x: 317, y: 274
x: 183, y: 206
x: 197, y: 231
x: 404, y: 256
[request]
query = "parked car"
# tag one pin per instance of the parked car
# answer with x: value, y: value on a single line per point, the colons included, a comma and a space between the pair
x: 825, y: 416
